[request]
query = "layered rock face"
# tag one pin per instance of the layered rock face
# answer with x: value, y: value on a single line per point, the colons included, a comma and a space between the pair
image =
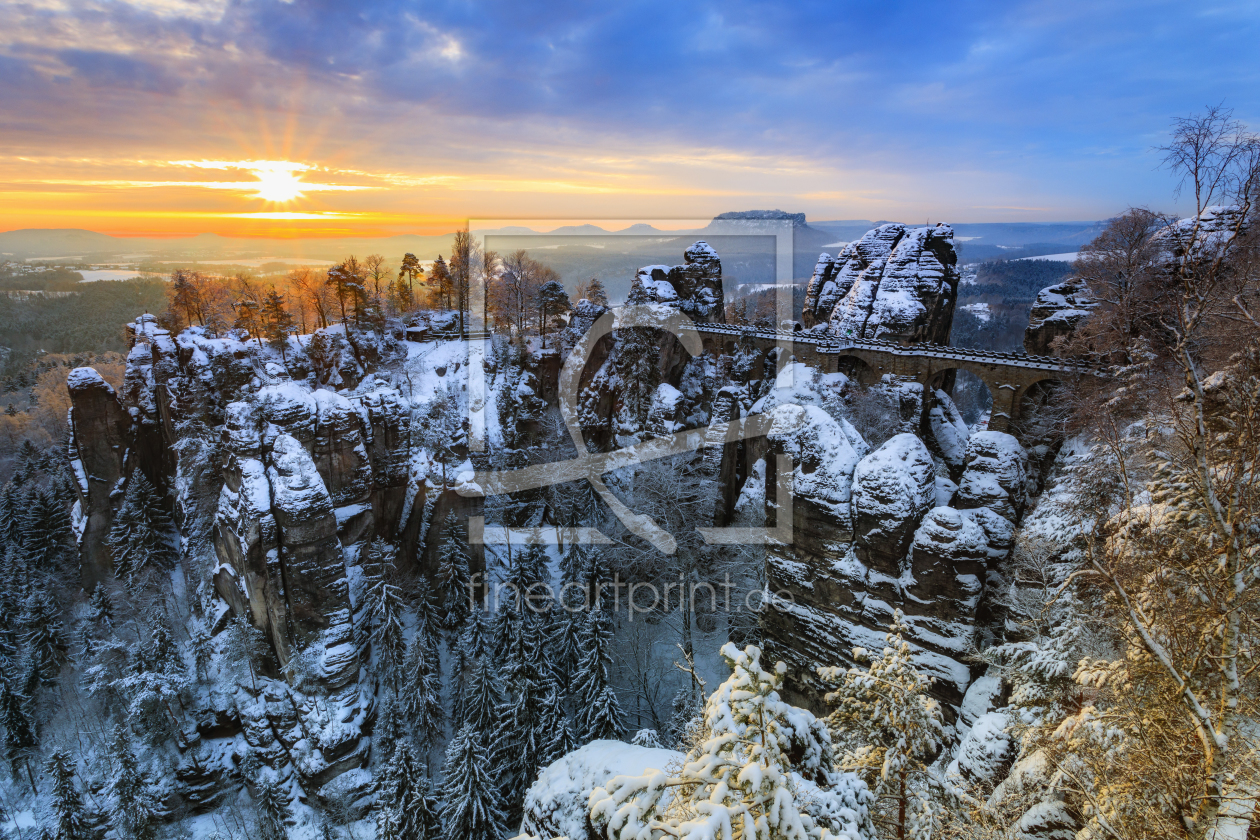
x: 1056, y: 313
x: 876, y: 531
x: 97, y: 415
x: 695, y: 287
x: 894, y: 284
x: 308, y: 476
x: 641, y: 379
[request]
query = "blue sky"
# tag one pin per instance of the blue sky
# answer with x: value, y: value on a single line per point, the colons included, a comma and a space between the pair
x: 970, y: 111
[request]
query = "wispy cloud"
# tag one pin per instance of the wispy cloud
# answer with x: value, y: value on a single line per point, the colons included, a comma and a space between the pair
x: 1011, y: 109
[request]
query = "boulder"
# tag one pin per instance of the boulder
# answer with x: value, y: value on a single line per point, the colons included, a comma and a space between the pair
x: 995, y: 475
x: 893, y: 487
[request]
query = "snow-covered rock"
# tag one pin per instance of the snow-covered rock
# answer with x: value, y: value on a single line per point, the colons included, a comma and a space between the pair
x: 695, y: 287
x: 985, y: 751
x: 893, y: 487
x: 1056, y: 312
x: 893, y: 284
x: 556, y: 804
x: 995, y: 476
x: 949, y: 432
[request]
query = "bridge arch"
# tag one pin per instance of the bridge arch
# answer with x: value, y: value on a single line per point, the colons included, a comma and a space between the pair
x: 857, y: 369
x: 972, y: 394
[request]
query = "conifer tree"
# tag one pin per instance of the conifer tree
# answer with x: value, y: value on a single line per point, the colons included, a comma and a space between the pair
x: 45, y: 529
x: 202, y: 650
x: 20, y: 742
x: 440, y: 281
x: 485, y: 696
x: 385, y: 607
x: 408, y: 810
x: 453, y: 575
x: 140, y: 537
x: 599, y: 714
x: 738, y: 780
x: 272, y: 809
x: 891, y: 728
x: 101, y: 606
x: 409, y: 268
x: 389, y: 727
x: 423, y: 691
x: 277, y: 323
x: 472, y: 809
x: 558, y: 737
x: 136, y: 812
x: 70, y: 818
x: 10, y: 516
x: 43, y: 634
x: 518, y: 750
x: 564, y: 642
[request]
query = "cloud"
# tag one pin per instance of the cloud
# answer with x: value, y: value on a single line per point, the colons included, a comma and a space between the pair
x: 1030, y: 103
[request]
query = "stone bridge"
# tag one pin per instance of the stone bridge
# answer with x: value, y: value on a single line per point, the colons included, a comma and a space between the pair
x: 1012, y: 378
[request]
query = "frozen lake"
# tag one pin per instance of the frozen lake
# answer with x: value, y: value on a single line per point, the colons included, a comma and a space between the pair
x: 95, y: 275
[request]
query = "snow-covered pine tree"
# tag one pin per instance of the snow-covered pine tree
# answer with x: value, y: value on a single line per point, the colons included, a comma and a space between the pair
x: 101, y: 606
x: 485, y: 696
x: 45, y: 529
x: 470, y: 791
x: 136, y: 810
x: 384, y: 608
x: 422, y: 692
x: 518, y: 750
x: 452, y: 576
x: 10, y: 516
x: 70, y: 818
x: 42, y: 633
x: 475, y: 637
x: 558, y: 737
x: 20, y: 741
x: 472, y: 644
x: 564, y: 641
x: 272, y: 808
x: 141, y: 536
x: 202, y: 650
x: 890, y: 727
x: 407, y: 808
x: 599, y: 714
x: 389, y: 728
x: 740, y: 779
x: 503, y: 627
x: 245, y: 645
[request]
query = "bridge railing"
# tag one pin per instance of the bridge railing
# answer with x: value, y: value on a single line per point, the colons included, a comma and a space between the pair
x: 831, y: 344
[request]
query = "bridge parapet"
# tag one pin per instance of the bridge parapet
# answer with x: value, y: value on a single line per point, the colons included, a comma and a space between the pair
x: 1008, y: 376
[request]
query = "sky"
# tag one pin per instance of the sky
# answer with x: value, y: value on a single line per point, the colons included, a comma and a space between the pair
x: 273, y: 118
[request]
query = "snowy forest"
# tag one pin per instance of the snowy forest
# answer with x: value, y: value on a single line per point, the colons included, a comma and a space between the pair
x: 441, y: 550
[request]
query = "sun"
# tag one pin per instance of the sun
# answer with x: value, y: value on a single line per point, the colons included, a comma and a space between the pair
x: 278, y: 184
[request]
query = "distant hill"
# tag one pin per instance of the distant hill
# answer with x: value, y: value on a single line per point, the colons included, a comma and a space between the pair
x: 576, y: 251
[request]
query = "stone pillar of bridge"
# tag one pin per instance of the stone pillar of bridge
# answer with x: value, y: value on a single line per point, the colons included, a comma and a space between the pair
x: 1005, y: 410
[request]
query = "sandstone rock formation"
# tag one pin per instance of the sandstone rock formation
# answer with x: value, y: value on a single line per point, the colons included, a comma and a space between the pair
x: 100, y: 431
x: 995, y: 475
x: 694, y: 287
x: 641, y: 377
x: 893, y: 284
x: 1056, y: 313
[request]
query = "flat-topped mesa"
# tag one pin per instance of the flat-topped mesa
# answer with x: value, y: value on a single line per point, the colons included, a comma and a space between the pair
x: 694, y: 287
x: 894, y: 284
x: 1057, y: 312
